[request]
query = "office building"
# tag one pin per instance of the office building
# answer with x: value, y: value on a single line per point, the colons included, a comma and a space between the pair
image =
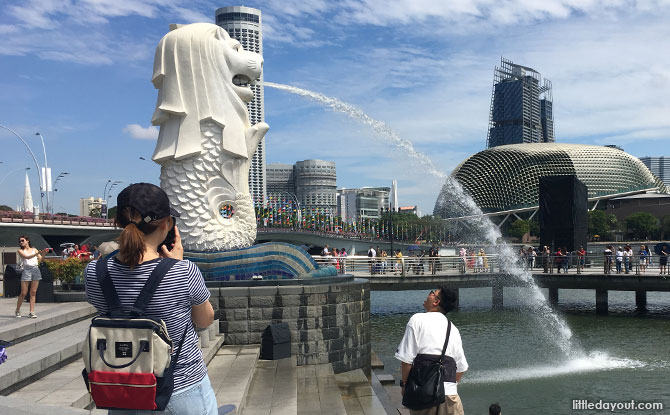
x: 245, y: 25
x: 521, y: 107
x: 363, y: 203
x: 91, y: 206
x: 279, y: 179
x: 659, y: 166
x: 311, y: 183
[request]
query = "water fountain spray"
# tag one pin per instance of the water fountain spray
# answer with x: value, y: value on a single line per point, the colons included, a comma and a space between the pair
x: 553, y: 326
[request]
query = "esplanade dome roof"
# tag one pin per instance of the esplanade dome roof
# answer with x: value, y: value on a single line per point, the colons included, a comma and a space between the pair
x: 507, y: 177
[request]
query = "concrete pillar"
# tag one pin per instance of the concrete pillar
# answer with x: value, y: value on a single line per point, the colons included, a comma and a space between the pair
x: 553, y: 296
x: 601, y: 301
x: 641, y: 300
x: 497, y: 297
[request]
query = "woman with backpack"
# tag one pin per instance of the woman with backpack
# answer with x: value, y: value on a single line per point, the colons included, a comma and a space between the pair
x: 180, y: 299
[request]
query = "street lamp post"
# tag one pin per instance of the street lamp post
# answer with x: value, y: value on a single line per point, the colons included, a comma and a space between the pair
x: 61, y: 175
x: 104, y: 194
x: 46, y: 179
x: 14, y: 171
x: 39, y: 176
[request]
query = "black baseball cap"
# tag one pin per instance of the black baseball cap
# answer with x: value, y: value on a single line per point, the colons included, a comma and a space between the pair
x: 148, y: 199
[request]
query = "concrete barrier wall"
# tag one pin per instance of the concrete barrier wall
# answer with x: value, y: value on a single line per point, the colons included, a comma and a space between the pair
x: 329, y: 323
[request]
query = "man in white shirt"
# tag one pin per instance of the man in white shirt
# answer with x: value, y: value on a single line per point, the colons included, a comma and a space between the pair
x: 425, y: 334
x: 372, y: 254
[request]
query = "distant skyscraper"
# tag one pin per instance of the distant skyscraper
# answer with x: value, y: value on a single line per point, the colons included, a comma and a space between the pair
x: 244, y: 25
x: 660, y: 166
x: 521, y: 106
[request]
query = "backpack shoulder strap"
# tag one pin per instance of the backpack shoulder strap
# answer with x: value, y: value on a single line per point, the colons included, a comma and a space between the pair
x: 106, y: 284
x: 446, y: 341
x: 152, y: 283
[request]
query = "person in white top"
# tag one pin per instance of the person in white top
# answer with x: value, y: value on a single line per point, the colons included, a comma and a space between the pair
x: 425, y: 334
x: 29, y: 258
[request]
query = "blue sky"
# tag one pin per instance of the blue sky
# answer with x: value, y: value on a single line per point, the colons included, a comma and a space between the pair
x: 79, y: 73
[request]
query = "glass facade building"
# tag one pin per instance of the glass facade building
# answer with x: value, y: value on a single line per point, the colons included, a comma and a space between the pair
x: 245, y: 25
x: 660, y: 166
x: 521, y: 107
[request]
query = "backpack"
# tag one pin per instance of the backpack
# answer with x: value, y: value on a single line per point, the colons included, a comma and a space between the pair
x: 127, y: 354
x: 425, y: 383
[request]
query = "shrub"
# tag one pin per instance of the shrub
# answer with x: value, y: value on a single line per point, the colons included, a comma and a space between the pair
x: 66, y: 270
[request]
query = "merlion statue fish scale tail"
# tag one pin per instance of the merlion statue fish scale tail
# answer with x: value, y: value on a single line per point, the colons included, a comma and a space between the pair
x: 206, y: 142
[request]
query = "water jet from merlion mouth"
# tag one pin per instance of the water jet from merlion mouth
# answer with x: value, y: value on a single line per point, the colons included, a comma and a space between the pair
x: 548, y: 321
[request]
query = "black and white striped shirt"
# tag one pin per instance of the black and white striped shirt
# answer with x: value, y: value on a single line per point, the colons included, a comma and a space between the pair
x: 181, y: 288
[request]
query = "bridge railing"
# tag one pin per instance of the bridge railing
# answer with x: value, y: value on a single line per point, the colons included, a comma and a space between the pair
x: 48, y: 219
x: 470, y: 264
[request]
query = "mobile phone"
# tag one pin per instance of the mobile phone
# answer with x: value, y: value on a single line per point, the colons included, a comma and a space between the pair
x: 169, y: 239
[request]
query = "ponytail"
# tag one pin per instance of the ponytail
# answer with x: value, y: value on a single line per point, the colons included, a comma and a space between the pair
x: 131, y: 241
x: 131, y: 245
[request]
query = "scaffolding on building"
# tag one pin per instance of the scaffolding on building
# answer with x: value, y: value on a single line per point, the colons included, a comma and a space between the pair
x: 537, y: 105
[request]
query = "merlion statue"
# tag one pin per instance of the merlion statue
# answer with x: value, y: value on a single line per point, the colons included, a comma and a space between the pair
x: 206, y: 142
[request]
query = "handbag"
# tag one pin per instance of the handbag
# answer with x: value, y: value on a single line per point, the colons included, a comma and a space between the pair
x: 425, y: 383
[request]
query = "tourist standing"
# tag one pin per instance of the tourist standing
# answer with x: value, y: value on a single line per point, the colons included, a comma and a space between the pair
x: 532, y: 255
x: 608, y: 259
x: 398, y: 262
x: 627, y: 258
x: 425, y: 335
x: 546, y: 257
x: 619, y: 259
x: 558, y: 259
x: 343, y: 261
x: 663, y: 258
x: 180, y: 299
x: 372, y: 254
x: 464, y: 258
x: 479, y: 264
x: 581, y: 259
x: 642, y: 254
x: 29, y: 259
x: 384, y: 256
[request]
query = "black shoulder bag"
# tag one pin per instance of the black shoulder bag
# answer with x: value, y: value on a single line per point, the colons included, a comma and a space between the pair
x: 425, y: 383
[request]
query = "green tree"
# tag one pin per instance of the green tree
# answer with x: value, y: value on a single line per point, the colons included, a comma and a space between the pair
x: 5, y: 208
x: 601, y: 224
x: 665, y: 226
x: 519, y: 228
x: 641, y: 225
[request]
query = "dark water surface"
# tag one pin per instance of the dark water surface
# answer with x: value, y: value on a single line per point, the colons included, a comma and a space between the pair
x: 625, y: 355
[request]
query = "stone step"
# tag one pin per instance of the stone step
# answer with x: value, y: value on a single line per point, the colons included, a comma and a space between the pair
x: 318, y: 391
x: 35, y: 358
x: 357, y: 394
x: 51, y: 316
x: 65, y: 386
x: 231, y: 372
x: 375, y: 361
x: 274, y: 389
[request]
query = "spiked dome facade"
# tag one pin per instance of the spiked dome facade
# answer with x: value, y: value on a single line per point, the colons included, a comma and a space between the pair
x: 507, y: 177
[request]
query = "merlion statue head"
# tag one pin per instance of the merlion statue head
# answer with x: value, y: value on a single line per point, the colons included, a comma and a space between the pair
x: 201, y: 73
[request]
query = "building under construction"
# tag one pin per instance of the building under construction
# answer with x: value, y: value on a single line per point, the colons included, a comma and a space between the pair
x: 521, y: 106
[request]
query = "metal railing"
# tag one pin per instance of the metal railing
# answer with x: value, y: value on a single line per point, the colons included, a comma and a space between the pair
x: 473, y: 264
x: 48, y: 219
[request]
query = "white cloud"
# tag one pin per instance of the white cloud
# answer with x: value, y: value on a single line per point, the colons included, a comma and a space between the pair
x: 139, y: 132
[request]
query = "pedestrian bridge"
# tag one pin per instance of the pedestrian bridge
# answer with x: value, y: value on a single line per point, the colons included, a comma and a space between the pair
x: 427, y: 273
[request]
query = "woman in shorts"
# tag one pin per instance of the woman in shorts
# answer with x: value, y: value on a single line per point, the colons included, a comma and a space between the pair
x: 29, y: 258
